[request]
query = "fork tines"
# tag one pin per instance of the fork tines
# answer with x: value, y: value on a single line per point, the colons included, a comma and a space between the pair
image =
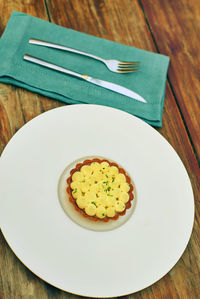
x: 128, y: 67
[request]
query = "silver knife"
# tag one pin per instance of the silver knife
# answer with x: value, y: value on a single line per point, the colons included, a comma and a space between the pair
x: 109, y: 85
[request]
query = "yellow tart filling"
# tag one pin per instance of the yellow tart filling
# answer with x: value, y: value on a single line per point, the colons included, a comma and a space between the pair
x: 100, y: 189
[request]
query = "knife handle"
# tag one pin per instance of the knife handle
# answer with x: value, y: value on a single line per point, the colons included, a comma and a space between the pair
x: 53, y: 66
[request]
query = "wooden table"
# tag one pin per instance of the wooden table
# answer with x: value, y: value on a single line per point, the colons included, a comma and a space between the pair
x: 167, y: 27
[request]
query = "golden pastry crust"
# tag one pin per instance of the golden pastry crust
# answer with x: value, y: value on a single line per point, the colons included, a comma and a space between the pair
x: 100, y: 190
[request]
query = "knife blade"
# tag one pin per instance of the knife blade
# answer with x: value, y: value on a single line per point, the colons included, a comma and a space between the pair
x: 117, y: 88
x: 105, y: 84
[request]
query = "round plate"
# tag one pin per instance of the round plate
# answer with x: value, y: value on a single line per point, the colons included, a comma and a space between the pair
x: 73, y: 258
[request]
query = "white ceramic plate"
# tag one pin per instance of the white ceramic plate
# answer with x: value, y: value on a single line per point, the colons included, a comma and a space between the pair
x: 81, y: 261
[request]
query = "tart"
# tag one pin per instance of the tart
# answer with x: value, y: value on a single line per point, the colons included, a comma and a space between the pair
x: 100, y: 190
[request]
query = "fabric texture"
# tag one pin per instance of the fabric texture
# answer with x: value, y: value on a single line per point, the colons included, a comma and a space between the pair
x: 149, y: 82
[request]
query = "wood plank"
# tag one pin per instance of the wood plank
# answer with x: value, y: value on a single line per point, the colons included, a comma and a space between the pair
x: 176, y: 30
x: 121, y: 21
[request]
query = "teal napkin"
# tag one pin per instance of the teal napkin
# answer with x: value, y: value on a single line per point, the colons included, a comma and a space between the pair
x: 149, y: 82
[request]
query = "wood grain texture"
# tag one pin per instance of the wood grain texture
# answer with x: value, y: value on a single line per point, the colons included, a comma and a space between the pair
x: 176, y: 30
x: 125, y: 21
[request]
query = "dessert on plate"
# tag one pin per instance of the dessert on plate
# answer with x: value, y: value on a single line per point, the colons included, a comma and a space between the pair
x: 100, y: 190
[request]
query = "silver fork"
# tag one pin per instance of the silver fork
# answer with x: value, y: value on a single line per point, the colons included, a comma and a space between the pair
x: 112, y: 64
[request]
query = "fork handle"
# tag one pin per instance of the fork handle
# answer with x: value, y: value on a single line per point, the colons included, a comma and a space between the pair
x: 60, y: 47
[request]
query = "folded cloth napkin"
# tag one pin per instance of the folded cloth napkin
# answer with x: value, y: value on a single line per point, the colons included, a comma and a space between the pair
x: 149, y: 82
